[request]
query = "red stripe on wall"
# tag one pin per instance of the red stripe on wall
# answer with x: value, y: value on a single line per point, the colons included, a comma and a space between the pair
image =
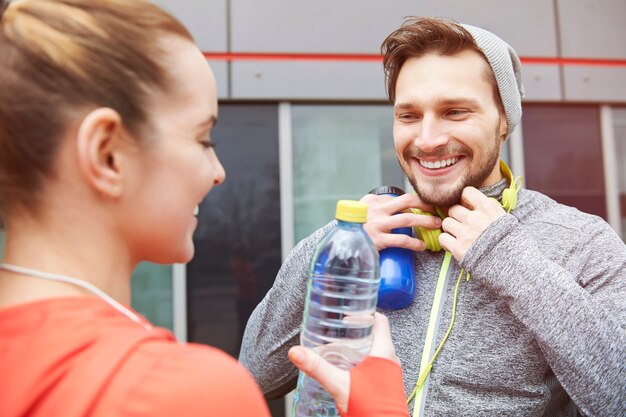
x: 245, y: 56
x: 574, y: 61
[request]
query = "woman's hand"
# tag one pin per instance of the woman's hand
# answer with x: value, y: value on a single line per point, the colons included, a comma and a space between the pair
x: 337, y: 381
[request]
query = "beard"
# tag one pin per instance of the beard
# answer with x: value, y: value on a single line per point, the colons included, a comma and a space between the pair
x: 442, y: 195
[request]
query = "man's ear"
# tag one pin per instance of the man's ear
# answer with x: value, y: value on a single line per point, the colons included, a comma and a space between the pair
x: 99, y: 148
x: 503, y: 128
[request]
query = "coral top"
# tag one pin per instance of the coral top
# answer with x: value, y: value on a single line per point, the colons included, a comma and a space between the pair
x: 80, y: 357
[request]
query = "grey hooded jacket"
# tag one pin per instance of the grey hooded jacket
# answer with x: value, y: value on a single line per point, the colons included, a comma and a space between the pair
x: 539, y: 328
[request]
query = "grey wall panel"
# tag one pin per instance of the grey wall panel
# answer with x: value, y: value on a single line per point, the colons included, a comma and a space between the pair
x: 308, y: 80
x: 206, y: 20
x: 593, y: 28
x: 220, y: 70
x: 587, y: 83
x: 355, y: 26
x: 350, y: 26
x: 352, y: 80
x: 528, y: 26
x: 542, y: 82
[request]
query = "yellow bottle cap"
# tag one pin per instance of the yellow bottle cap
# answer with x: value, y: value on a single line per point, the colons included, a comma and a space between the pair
x: 351, y: 211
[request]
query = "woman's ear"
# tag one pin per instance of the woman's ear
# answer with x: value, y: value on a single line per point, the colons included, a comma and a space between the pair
x: 99, y: 148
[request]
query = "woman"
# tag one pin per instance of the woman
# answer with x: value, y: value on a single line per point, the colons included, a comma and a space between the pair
x: 106, y: 110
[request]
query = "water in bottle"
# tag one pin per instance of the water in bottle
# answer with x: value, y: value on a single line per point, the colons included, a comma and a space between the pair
x: 340, y: 304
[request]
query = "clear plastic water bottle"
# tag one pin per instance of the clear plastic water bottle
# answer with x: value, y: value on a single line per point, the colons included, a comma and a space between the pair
x: 397, y: 266
x: 340, y: 304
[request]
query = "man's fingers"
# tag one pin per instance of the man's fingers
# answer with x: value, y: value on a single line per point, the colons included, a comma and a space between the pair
x: 388, y: 240
x: 405, y: 202
x: 459, y: 213
x: 449, y: 243
x: 411, y: 220
x: 392, y: 205
x: 386, y: 213
x: 469, y: 197
x: 476, y: 201
x: 472, y: 198
x: 336, y: 381
x: 375, y: 200
x: 452, y: 226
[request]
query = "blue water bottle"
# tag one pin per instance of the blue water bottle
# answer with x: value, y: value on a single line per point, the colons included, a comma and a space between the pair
x: 340, y: 304
x: 397, y: 266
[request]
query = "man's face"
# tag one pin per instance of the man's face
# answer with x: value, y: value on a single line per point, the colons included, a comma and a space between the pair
x: 447, y: 128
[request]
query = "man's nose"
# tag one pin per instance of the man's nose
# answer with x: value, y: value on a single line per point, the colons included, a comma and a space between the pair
x: 431, y: 134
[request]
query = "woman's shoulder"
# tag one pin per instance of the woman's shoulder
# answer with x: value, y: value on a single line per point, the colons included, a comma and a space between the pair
x: 186, y: 360
x: 164, y: 377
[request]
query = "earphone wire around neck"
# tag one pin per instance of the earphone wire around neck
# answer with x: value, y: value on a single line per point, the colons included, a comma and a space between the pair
x: 80, y: 283
x: 509, y: 203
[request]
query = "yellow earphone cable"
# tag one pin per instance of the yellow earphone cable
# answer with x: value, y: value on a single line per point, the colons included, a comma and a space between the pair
x: 426, y: 371
x: 509, y: 203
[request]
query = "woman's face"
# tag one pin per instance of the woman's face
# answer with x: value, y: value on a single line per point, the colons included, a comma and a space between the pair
x: 176, y: 167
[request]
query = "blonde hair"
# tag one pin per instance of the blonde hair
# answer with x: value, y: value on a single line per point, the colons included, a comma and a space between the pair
x: 58, y: 57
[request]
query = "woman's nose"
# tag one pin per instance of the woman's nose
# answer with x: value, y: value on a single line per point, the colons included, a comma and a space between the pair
x: 220, y: 172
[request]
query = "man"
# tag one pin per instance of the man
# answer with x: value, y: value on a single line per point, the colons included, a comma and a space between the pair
x: 539, y: 323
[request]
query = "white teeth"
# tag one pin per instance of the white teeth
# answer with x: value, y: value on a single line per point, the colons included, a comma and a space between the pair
x: 438, y: 164
x: 196, y: 210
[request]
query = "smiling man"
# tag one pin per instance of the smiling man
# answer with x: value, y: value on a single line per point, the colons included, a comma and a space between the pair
x: 522, y: 312
x: 436, y: 102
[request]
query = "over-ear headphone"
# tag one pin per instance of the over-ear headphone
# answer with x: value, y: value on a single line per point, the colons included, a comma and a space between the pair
x: 509, y: 202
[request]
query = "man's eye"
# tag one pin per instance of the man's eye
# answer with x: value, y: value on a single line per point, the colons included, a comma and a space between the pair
x: 407, y: 117
x: 457, y: 113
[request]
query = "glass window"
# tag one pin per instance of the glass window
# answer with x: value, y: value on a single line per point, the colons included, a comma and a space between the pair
x: 151, y: 287
x: 237, y: 242
x: 563, y: 155
x: 339, y: 151
x: 619, y: 120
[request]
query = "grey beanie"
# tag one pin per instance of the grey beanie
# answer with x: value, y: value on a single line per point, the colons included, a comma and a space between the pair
x: 507, y: 69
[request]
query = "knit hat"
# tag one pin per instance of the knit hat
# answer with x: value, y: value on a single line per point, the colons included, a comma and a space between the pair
x: 507, y: 69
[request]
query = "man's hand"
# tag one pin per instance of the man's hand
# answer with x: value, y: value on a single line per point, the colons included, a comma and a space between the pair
x: 466, y: 221
x: 337, y: 381
x: 385, y: 213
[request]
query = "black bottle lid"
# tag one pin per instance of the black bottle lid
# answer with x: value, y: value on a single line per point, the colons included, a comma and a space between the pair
x: 387, y: 189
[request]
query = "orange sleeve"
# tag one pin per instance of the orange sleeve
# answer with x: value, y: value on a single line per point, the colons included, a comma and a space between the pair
x: 376, y: 389
x: 193, y: 381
